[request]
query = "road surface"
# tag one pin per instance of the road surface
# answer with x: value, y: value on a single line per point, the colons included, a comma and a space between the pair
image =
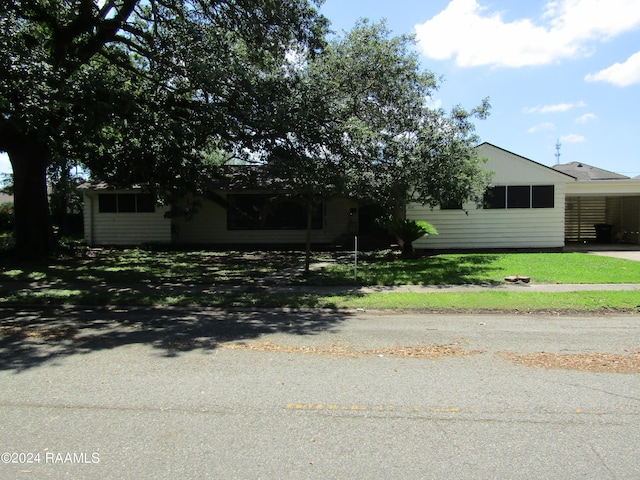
x: 274, y: 394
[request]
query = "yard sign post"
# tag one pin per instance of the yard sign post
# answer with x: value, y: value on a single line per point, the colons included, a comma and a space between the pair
x: 355, y: 259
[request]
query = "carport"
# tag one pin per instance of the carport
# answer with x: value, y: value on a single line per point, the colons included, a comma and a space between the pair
x: 600, y: 206
x: 603, y: 218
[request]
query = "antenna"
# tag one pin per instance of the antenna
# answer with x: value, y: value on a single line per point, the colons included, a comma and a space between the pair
x: 558, y: 145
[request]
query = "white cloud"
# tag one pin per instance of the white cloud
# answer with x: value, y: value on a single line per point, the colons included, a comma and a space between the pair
x: 542, y: 126
x: 620, y: 74
x: 555, y: 108
x: 474, y: 36
x: 587, y: 117
x: 573, y: 138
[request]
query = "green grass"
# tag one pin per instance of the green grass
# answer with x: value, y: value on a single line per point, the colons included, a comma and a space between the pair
x: 491, y: 301
x: 591, y: 301
x: 482, y: 269
x: 132, y: 277
x: 144, y: 266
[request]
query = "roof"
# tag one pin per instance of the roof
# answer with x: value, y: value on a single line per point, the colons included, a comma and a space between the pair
x: 585, y: 172
x: 533, y: 162
x: 100, y: 185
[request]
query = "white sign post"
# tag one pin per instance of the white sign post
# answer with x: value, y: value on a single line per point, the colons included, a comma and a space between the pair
x: 355, y: 259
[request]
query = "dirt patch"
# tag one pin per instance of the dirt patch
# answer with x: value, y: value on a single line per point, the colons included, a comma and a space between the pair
x: 430, y: 352
x: 589, y: 362
x: 48, y: 334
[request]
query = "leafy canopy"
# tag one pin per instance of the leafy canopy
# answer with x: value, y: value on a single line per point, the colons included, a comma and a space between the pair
x: 369, y: 132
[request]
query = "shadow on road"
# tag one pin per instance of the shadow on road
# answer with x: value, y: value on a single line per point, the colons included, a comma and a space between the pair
x: 36, y: 336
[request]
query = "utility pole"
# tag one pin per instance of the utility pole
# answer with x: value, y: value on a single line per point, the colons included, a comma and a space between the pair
x: 558, y: 145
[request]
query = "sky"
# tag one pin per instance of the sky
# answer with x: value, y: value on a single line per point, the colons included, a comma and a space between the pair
x: 561, y: 72
x: 564, y: 71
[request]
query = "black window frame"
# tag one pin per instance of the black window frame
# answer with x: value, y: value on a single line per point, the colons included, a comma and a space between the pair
x: 260, y: 211
x: 108, y: 203
x: 518, y: 196
x: 126, y: 203
x: 543, y: 196
x: 495, y: 198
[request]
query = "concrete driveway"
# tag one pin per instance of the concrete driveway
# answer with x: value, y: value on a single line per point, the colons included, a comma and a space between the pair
x: 626, y: 252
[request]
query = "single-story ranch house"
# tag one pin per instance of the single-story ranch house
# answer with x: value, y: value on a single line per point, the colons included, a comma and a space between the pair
x: 529, y: 205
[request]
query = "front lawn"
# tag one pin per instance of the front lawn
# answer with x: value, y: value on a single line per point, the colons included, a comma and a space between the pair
x: 244, y: 268
x: 140, y: 277
x: 480, y: 269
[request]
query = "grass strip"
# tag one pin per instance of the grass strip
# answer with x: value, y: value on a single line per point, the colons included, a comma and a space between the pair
x: 588, y: 302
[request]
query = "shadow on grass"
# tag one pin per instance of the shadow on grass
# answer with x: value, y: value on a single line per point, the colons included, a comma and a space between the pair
x: 142, y: 266
x: 31, y: 337
x: 429, y: 270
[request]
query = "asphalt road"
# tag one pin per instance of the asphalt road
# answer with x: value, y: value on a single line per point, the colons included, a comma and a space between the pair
x: 160, y: 394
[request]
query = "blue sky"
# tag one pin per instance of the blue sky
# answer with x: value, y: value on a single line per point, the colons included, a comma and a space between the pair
x: 554, y: 70
x: 564, y: 70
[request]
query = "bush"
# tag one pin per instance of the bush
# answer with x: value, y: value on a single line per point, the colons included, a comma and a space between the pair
x: 408, y: 231
x: 6, y: 217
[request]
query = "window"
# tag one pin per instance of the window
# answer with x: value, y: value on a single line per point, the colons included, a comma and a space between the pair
x: 145, y: 203
x: 126, y: 203
x: 269, y: 212
x: 495, y: 197
x: 107, y: 203
x: 543, y: 196
x: 519, y: 196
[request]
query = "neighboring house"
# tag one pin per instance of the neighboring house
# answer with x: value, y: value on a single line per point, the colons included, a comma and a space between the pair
x: 529, y: 205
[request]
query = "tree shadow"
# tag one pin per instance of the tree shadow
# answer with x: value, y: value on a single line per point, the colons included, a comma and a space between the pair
x: 476, y: 269
x: 33, y: 337
x: 145, y: 266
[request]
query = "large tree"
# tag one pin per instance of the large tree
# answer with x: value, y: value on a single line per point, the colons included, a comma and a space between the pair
x: 372, y: 133
x: 138, y: 90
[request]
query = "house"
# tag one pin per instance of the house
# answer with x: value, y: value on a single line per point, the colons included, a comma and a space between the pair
x: 256, y: 216
x: 529, y: 205
x: 122, y: 216
x: 524, y: 208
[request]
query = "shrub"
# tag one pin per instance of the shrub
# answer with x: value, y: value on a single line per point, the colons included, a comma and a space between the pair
x: 408, y: 231
x: 6, y: 217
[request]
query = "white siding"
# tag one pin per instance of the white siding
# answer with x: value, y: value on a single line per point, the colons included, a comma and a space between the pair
x: 500, y: 228
x: 123, y: 228
x: 209, y: 226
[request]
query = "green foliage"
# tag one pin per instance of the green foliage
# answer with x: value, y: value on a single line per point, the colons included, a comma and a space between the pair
x: 408, y: 231
x: 6, y: 217
x: 136, y: 90
x: 372, y: 124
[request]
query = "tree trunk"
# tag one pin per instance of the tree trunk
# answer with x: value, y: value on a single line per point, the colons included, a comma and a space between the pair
x: 33, y: 230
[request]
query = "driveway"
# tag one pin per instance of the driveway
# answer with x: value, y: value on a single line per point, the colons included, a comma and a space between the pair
x: 626, y: 252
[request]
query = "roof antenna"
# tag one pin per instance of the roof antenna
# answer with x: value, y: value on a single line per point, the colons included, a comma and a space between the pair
x: 558, y: 145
